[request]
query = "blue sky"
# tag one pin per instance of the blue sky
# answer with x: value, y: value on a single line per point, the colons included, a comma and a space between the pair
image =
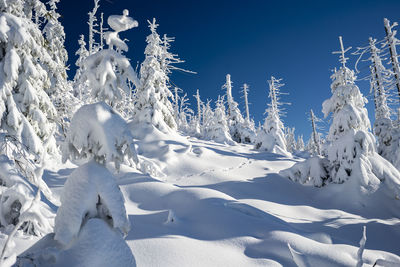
x: 251, y: 40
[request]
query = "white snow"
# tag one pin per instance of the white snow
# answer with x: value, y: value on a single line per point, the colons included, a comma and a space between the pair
x: 97, y: 130
x: 89, y: 192
x: 220, y: 205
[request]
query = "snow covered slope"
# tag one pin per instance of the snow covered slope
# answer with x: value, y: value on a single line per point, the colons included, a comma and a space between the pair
x: 209, y: 204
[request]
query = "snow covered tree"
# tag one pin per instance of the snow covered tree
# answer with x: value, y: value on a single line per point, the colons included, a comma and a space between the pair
x: 91, y: 202
x: 207, y: 118
x: 383, y: 126
x: 108, y: 72
x: 300, y: 143
x: 271, y: 136
x: 391, y: 42
x: 61, y: 91
x: 92, y: 24
x: 152, y: 104
x: 351, y: 156
x: 247, y: 128
x: 98, y: 132
x: 182, y: 111
x: 26, y: 110
x: 216, y: 126
x: 246, y: 100
x: 290, y: 139
x: 17, y: 195
x: 235, y: 118
x: 81, y: 89
x: 195, y: 123
x: 315, y: 142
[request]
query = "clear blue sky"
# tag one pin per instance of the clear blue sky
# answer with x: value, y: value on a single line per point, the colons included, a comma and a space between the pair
x: 251, y: 40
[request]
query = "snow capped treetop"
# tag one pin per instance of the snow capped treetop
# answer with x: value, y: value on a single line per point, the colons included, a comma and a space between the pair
x: 107, y: 72
x: 153, y: 40
x: 97, y: 131
x: 119, y: 23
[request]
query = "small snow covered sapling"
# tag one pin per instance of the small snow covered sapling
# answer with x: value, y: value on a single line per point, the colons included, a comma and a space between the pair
x: 271, y: 137
x: 215, y: 123
x: 98, y: 132
x: 91, y: 193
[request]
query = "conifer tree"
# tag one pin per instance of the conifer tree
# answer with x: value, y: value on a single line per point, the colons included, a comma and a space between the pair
x: 300, y: 143
x: 235, y: 119
x: 81, y: 89
x: 392, y: 42
x: 383, y: 126
x: 315, y: 145
x: 60, y: 91
x: 290, y: 139
x: 216, y: 125
x: 197, y: 120
x: 26, y: 109
x: 152, y: 99
x: 92, y: 25
x: 271, y: 137
x: 247, y: 128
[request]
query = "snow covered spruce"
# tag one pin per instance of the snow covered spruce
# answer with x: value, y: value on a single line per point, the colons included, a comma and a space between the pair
x: 241, y: 130
x: 351, y: 155
x: 271, y: 136
x: 27, y: 112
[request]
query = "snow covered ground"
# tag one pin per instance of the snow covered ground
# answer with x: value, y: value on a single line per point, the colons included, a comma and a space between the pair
x: 211, y: 204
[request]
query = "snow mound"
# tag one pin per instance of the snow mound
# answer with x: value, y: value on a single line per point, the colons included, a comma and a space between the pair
x: 97, y: 131
x: 97, y: 246
x: 90, y: 192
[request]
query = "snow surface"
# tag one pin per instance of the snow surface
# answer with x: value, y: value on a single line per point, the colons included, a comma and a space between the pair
x: 212, y: 204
